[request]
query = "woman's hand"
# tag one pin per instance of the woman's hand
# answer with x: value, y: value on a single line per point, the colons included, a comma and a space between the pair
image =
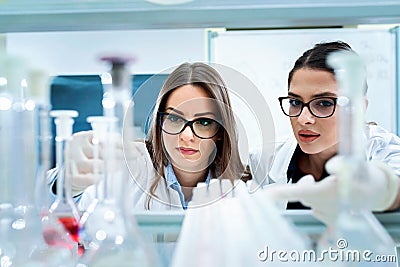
x: 80, y: 162
x: 377, y: 194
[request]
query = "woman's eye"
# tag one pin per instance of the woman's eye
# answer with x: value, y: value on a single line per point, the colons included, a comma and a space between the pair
x: 174, y: 118
x: 205, y: 122
x: 325, y: 103
x: 294, y: 102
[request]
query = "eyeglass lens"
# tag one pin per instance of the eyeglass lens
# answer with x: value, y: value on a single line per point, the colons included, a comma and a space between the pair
x: 202, y: 127
x: 319, y: 107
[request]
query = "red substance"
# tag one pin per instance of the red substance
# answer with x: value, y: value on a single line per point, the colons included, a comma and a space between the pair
x: 72, y: 226
x: 53, y: 238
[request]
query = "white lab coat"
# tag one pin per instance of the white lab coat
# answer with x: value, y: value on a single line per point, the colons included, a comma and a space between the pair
x: 381, y: 146
x: 137, y: 189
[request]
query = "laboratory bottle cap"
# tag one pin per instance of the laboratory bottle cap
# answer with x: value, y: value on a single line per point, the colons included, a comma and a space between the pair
x: 101, y: 119
x: 101, y: 125
x: 64, y: 122
x: 118, y: 59
x: 64, y: 113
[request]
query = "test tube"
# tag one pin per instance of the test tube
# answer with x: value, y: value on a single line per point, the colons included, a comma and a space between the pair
x: 64, y: 207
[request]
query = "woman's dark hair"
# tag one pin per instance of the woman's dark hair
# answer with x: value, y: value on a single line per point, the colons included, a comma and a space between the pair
x: 315, y: 58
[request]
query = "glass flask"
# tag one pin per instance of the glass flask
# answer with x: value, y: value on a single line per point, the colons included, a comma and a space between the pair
x: 21, y: 236
x: 238, y: 229
x: 38, y: 90
x: 54, y: 233
x: 114, y: 236
x: 64, y: 207
x: 356, y: 228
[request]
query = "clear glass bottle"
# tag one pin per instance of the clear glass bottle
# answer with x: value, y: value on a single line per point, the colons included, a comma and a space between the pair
x: 20, y: 223
x: 64, y: 207
x: 54, y: 233
x: 38, y: 90
x: 117, y: 94
x: 22, y: 242
x: 356, y: 228
x: 114, y: 236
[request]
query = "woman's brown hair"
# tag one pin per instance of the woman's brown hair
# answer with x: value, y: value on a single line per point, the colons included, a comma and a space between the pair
x: 227, y: 163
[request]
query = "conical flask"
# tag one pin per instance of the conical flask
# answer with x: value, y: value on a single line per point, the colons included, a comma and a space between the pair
x: 64, y: 207
x: 114, y: 236
x: 356, y: 229
x: 226, y: 226
x: 53, y: 231
x: 22, y: 242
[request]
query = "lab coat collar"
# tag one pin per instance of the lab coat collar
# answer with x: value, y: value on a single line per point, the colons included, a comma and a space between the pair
x: 283, y: 155
x: 173, y: 183
x: 171, y: 177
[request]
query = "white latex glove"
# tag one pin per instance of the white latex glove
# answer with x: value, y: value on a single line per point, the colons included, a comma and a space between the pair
x: 80, y: 159
x: 379, y: 193
x: 381, y: 187
x: 320, y: 196
x: 80, y: 162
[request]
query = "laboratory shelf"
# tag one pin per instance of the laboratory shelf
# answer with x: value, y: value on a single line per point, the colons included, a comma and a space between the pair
x: 77, y: 15
x: 157, y: 223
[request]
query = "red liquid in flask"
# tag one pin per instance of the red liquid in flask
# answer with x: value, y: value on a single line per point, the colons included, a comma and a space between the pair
x: 72, y: 226
x: 53, y: 238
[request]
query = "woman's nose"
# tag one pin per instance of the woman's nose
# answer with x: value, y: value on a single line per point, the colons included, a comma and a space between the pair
x: 306, y: 117
x: 187, y: 134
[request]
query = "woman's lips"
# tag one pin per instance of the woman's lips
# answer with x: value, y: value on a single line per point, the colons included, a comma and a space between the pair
x: 187, y: 151
x: 307, y: 136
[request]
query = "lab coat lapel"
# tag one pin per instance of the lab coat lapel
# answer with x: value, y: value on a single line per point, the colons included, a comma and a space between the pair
x: 283, y: 154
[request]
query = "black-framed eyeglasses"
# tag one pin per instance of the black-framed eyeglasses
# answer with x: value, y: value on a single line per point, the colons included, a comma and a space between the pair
x: 320, y: 107
x: 202, y: 127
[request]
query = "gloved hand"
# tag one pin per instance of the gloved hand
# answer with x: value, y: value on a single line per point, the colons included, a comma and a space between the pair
x: 80, y: 162
x: 381, y: 184
x: 322, y: 196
